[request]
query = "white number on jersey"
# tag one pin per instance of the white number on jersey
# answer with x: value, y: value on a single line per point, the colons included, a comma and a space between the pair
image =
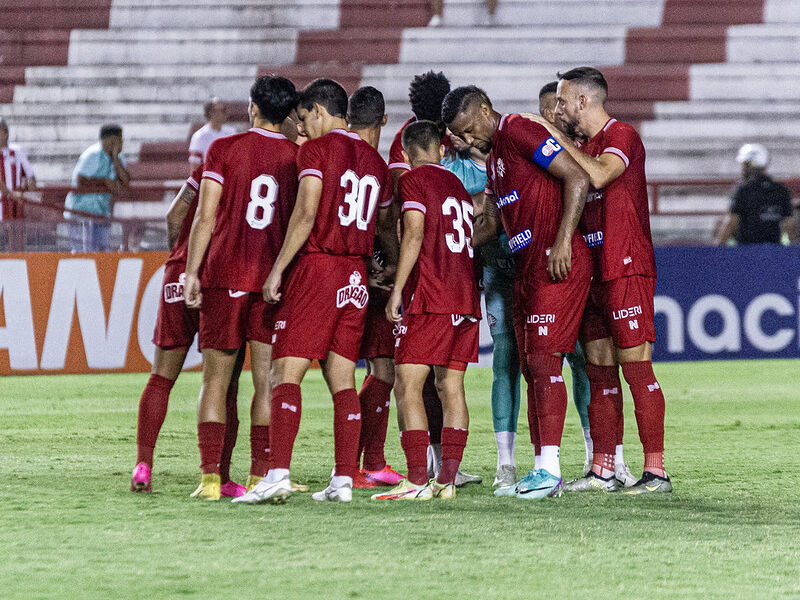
x: 462, y: 215
x: 361, y: 199
x: 263, y: 192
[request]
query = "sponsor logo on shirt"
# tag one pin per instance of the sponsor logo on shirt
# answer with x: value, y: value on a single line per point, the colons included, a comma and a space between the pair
x: 627, y: 313
x: 504, y: 201
x: 594, y: 239
x: 519, y: 241
x: 355, y: 293
x: 543, y: 318
x: 501, y: 167
x: 173, y: 292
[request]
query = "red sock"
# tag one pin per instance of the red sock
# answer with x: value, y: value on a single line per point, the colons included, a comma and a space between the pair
x: 649, y: 402
x: 453, y: 443
x: 374, y: 398
x: 551, y: 397
x: 210, y: 437
x: 346, y: 430
x: 603, y: 464
x: 620, y: 415
x: 415, y: 446
x: 604, y: 388
x: 285, y: 421
x: 231, y: 431
x: 654, y: 462
x: 533, y: 418
x: 259, y: 450
x: 152, y: 411
x: 433, y: 409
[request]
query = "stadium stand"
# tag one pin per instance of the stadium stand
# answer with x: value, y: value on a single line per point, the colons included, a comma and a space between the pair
x: 698, y: 77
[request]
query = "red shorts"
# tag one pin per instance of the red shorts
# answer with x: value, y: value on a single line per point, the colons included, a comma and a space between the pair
x: 229, y: 317
x: 625, y: 313
x: 443, y: 340
x: 176, y: 325
x: 553, y: 311
x: 378, y: 340
x: 324, y: 307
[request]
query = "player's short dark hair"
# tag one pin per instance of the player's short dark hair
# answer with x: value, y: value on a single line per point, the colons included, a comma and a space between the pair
x: 426, y: 93
x: 422, y: 135
x: 548, y: 88
x: 366, y: 108
x: 109, y: 130
x: 208, y: 106
x: 586, y: 76
x: 275, y: 97
x: 328, y: 94
x: 460, y: 99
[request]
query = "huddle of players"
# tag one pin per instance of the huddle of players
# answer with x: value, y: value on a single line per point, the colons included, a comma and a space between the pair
x: 255, y: 224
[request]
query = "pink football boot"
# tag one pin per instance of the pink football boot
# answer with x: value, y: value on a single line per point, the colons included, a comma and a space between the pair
x: 386, y: 476
x: 231, y: 489
x: 140, y: 480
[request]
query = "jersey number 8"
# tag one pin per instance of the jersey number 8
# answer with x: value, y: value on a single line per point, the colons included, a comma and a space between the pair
x: 462, y: 215
x: 263, y: 192
x: 361, y: 199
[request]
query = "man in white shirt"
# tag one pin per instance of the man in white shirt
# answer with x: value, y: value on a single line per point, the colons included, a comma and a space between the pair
x: 216, y: 114
x: 16, y: 174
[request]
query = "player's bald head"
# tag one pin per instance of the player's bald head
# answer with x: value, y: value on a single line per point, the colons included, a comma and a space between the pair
x: 588, y: 81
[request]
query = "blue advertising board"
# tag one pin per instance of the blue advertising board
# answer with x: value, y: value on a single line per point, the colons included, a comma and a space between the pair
x: 740, y: 302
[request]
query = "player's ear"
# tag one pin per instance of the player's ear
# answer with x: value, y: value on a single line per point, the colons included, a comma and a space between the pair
x: 385, y: 118
x: 441, y: 152
x: 406, y: 157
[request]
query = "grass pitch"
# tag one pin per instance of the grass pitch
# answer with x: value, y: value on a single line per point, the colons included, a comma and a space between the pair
x: 69, y: 527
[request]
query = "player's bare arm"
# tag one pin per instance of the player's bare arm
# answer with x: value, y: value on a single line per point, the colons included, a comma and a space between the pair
x: 413, y: 232
x: 177, y: 213
x: 300, y: 225
x: 602, y: 170
x: 575, y: 184
x: 199, y: 237
x: 486, y: 220
x: 386, y: 232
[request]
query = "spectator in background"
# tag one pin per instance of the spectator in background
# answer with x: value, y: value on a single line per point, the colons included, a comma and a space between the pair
x: 100, y: 167
x: 761, y: 210
x: 437, y: 8
x: 16, y: 174
x: 216, y: 114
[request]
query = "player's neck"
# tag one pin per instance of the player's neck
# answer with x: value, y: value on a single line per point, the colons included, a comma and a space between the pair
x: 371, y: 135
x: 266, y: 125
x: 332, y: 123
x: 423, y: 160
x: 595, y: 122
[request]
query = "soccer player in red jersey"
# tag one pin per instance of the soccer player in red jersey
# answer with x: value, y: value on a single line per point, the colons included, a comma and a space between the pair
x: 246, y: 195
x: 425, y: 95
x: 436, y: 286
x: 539, y: 191
x: 619, y: 325
x: 176, y: 326
x: 343, y: 181
x: 366, y: 115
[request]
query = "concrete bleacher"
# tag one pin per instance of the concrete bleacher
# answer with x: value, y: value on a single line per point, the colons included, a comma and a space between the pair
x: 698, y: 77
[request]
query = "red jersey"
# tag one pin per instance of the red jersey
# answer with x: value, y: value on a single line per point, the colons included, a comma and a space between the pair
x: 355, y: 181
x: 396, y: 160
x: 181, y: 247
x: 617, y: 218
x: 528, y: 197
x: 258, y: 174
x: 442, y: 281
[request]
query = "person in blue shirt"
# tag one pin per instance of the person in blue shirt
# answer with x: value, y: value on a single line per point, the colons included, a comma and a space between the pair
x: 101, y: 167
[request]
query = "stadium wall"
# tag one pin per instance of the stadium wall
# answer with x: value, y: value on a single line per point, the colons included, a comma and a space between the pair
x: 65, y: 313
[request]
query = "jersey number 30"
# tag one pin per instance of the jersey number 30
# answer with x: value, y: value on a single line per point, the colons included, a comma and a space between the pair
x: 462, y: 215
x: 263, y: 192
x: 360, y: 199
